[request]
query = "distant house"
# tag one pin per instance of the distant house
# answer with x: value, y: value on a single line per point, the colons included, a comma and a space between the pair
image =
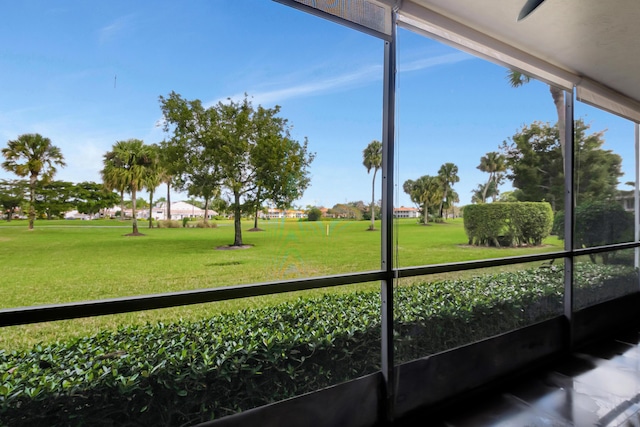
x: 273, y: 213
x: 403, y: 212
x: 181, y: 210
x: 627, y: 200
x: 77, y: 215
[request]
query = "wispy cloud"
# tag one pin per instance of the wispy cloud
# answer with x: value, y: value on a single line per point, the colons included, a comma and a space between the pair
x: 313, y: 87
x: 434, y: 61
x: 114, y: 29
x: 343, y: 82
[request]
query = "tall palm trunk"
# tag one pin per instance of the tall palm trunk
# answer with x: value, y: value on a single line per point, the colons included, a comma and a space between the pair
x: 32, y: 199
x: 151, y: 209
x: 133, y: 211
x: 486, y: 188
x: 122, y: 205
x: 373, y: 200
x: 425, y: 211
x: 558, y: 101
x: 444, y: 197
x: 168, y: 210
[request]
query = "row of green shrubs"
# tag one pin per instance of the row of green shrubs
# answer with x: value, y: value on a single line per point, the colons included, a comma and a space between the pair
x: 185, y: 223
x: 187, y: 372
x: 508, y: 224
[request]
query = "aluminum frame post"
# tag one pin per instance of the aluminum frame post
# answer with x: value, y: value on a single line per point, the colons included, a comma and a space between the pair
x: 636, y: 196
x: 386, y: 291
x: 569, y: 221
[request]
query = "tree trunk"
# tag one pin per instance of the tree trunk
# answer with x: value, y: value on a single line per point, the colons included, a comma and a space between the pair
x: 255, y: 220
x: 167, y: 211
x: 206, y: 210
x: 150, y: 209
x: 425, y: 213
x: 441, y: 210
x: 237, y: 241
x: 32, y: 200
x: 121, y: 205
x: 133, y: 211
x: 486, y: 188
x: 558, y: 101
x: 373, y: 201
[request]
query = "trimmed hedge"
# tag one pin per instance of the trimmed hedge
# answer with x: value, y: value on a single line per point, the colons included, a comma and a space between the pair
x: 508, y: 224
x: 187, y: 372
x: 597, y: 223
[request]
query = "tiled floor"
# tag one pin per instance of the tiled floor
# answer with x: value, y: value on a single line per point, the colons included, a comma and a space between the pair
x: 596, y: 386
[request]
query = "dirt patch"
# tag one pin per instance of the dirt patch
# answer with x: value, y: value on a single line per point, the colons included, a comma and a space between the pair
x: 134, y: 234
x: 255, y: 229
x: 232, y: 248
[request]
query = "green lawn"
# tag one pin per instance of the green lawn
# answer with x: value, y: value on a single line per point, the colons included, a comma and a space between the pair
x: 65, y: 261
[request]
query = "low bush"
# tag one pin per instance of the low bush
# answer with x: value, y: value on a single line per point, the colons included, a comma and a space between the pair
x: 208, y: 224
x: 314, y: 214
x: 187, y: 372
x: 598, y: 223
x: 166, y: 223
x: 508, y: 224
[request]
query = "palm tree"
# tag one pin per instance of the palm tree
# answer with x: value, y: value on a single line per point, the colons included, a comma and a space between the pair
x: 127, y: 166
x: 111, y: 176
x: 450, y: 201
x: 168, y: 154
x: 425, y: 191
x: 372, y: 159
x: 494, y: 163
x: 448, y: 175
x: 32, y: 155
x: 517, y: 79
x: 155, y: 176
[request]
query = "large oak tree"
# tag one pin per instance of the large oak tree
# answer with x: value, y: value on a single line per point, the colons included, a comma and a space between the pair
x: 234, y: 146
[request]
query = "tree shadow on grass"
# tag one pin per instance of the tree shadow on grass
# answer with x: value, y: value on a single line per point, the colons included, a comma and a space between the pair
x: 232, y: 248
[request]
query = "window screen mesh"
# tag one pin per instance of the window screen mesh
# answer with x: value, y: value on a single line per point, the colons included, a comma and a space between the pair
x: 367, y: 13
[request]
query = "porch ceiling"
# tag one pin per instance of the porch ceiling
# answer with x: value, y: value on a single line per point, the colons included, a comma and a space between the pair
x: 596, y: 39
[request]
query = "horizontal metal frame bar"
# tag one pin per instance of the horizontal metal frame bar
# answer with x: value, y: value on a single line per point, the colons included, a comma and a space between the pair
x: 77, y: 310
x: 473, y: 265
x: 607, y: 248
x: 497, y: 262
x: 48, y: 313
x: 336, y: 19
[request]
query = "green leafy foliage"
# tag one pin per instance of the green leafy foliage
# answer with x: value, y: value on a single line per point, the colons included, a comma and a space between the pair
x: 187, y: 372
x: 315, y: 214
x: 597, y: 223
x: 534, y: 158
x: 508, y: 224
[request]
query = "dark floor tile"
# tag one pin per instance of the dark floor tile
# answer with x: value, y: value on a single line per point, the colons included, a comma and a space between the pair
x: 597, y: 386
x: 629, y: 337
x: 610, y: 380
x: 607, y: 350
x: 574, y: 366
x: 506, y: 411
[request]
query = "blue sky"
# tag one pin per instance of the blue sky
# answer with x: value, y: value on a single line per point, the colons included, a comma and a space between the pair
x: 87, y: 74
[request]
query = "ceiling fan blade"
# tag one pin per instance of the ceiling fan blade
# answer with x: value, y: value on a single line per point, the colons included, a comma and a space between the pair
x: 529, y: 7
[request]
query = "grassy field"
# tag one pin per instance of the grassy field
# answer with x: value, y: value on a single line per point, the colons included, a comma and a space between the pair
x: 65, y: 261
